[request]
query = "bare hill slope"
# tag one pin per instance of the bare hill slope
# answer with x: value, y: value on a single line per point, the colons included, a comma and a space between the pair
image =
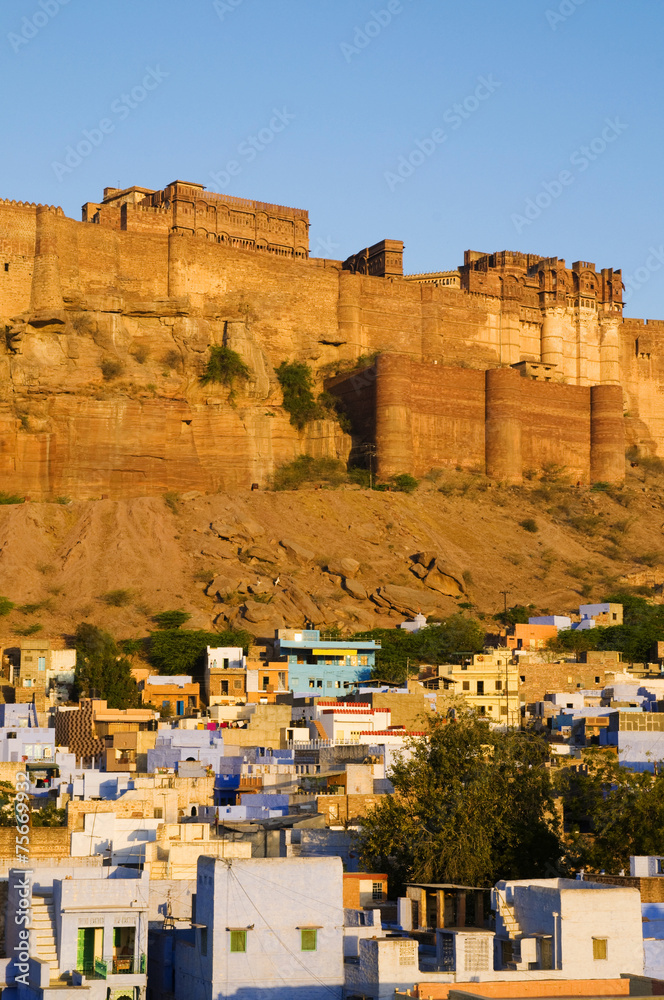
x: 348, y: 557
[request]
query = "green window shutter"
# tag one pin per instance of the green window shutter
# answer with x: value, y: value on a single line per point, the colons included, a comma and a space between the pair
x: 308, y: 939
x: 80, y: 951
x: 238, y: 940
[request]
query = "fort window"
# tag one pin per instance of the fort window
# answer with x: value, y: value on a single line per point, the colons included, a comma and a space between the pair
x: 6, y: 267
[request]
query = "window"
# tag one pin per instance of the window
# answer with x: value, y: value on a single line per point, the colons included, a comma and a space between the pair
x: 597, y: 680
x: 319, y: 684
x: 377, y: 890
x: 499, y: 685
x: 204, y: 935
x: 41, y: 663
x: 308, y: 935
x: 312, y: 682
x: 6, y: 267
x: 480, y: 687
x: 523, y: 679
x: 238, y: 940
x: 466, y: 685
x: 266, y: 683
x: 158, y: 813
x: 599, y: 948
x: 224, y: 687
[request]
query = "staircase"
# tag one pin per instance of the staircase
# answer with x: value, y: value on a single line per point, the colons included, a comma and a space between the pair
x: 43, y: 932
x: 508, y: 916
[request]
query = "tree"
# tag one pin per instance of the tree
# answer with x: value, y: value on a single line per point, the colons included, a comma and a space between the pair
x: 470, y: 806
x: 171, y: 619
x: 182, y: 651
x: 437, y: 643
x: 518, y: 614
x: 48, y: 815
x: 7, y: 800
x: 101, y: 670
x: 610, y: 812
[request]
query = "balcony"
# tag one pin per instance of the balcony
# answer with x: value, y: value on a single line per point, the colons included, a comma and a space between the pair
x: 117, y: 966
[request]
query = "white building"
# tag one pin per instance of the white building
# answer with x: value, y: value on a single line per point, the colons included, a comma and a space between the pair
x: 87, y: 923
x: 271, y: 925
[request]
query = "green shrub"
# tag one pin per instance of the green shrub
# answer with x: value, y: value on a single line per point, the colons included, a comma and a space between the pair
x: 117, y: 598
x: 226, y: 366
x: 10, y: 498
x: 110, y: 368
x: 171, y: 619
x: 63, y: 500
x: 404, y: 483
x: 601, y: 487
x: 297, y: 388
x: 6, y: 605
x: 529, y: 524
x: 360, y: 476
x: 171, y: 500
x: 132, y: 646
x: 29, y: 630
x: 306, y: 469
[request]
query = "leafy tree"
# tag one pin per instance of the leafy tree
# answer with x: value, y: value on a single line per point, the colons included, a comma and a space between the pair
x: 48, y: 815
x: 470, y: 806
x: 643, y: 625
x: 182, y: 651
x: 437, y: 643
x: 7, y: 798
x: 610, y: 812
x: 101, y: 670
x: 226, y: 366
x: 518, y: 614
x: 297, y: 387
x: 171, y: 619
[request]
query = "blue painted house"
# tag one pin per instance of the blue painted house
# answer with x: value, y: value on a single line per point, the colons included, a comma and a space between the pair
x: 324, y: 667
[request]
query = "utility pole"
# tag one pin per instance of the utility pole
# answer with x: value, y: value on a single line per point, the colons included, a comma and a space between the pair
x: 369, y: 450
x: 504, y: 593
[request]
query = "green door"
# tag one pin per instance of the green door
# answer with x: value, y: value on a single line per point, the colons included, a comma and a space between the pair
x: 85, y: 956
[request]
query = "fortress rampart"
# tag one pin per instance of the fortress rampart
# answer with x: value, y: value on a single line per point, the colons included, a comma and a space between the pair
x: 506, y: 363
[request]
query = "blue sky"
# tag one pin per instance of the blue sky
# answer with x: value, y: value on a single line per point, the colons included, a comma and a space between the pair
x: 347, y: 109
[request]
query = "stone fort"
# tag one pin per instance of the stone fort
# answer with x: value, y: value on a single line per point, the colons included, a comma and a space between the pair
x: 504, y: 364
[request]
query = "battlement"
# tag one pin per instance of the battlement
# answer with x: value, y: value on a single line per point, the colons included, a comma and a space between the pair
x: 55, y: 209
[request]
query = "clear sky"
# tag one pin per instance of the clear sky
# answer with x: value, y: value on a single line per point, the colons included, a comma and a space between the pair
x: 531, y: 125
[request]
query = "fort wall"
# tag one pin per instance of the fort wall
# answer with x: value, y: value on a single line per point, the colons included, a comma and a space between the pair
x: 151, y: 279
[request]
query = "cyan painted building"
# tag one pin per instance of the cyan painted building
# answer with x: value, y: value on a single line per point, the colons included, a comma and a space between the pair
x: 324, y: 667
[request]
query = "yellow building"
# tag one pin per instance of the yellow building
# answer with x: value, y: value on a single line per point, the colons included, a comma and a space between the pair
x: 489, y: 682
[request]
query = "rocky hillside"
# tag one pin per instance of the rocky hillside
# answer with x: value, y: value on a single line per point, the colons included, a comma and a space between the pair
x: 346, y: 557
